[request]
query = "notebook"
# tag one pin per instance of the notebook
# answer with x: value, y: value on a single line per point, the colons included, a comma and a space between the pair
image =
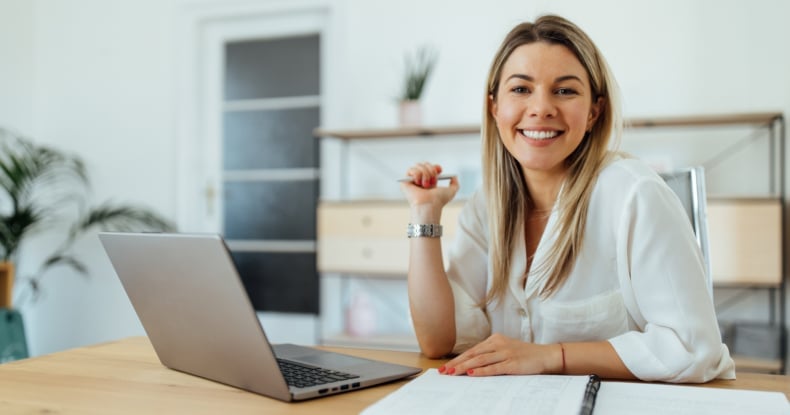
x: 191, y: 302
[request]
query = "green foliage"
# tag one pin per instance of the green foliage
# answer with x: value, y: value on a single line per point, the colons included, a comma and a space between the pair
x: 418, y: 70
x: 46, y: 190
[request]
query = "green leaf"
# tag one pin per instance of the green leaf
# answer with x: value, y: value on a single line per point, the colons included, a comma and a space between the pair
x: 44, y: 189
x: 418, y: 70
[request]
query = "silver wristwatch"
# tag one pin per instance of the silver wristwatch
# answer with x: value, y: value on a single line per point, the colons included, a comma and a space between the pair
x: 431, y: 230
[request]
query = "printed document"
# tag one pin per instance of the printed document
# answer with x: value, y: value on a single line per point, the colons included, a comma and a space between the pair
x: 436, y: 394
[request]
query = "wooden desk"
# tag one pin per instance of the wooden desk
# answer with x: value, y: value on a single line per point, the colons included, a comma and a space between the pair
x: 125, y: 377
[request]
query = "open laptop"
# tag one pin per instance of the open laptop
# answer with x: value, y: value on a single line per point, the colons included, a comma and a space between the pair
x: 188, y: 295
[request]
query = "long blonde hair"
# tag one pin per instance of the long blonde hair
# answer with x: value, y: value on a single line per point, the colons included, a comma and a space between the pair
x: 504, y: 184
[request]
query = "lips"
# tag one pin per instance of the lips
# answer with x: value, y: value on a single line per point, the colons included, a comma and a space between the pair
x: 540, y: 134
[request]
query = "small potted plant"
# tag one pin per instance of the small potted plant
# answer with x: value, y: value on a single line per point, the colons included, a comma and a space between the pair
x: 43, y: 189
x: 418, y: 69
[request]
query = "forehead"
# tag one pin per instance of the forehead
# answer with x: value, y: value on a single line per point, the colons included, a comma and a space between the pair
x: 543, y: 60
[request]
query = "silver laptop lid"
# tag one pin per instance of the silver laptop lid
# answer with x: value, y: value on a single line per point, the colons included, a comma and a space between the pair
x: 209, y: 329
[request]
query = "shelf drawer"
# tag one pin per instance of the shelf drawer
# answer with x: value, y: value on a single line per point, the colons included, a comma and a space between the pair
x: 370, y: 237
x: 745, y: 241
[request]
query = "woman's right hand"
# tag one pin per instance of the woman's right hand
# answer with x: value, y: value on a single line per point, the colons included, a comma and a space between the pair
x: 423, y: 191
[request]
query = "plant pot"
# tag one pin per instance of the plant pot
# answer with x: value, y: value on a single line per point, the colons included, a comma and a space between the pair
x: 410, y: 113
x: 6, y: 283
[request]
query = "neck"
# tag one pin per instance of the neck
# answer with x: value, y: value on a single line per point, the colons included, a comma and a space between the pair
x: 543, y: 190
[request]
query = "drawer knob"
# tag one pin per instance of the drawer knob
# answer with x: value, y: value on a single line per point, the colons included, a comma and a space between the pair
x: 366, y: 221
x: 367, y: 253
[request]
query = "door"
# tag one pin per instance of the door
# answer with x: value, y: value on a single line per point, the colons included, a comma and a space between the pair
x: 270, y: 168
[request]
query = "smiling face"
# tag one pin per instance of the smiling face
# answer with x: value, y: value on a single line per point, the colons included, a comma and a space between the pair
x: 543, y: 107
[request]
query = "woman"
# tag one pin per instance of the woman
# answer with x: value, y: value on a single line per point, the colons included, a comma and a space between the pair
x: 572, y: 259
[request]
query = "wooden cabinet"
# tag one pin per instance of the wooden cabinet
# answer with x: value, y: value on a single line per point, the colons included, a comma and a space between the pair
x: 369, y: 237
x: 745, y: 241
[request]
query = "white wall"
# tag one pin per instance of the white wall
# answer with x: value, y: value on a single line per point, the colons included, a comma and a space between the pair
x: 16, y: 64
x: 97, y: 77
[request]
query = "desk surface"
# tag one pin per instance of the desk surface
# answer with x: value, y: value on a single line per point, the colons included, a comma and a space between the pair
x: 125, y: 377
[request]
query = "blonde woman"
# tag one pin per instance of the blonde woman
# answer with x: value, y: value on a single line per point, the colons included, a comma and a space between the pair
x: 572, y: 259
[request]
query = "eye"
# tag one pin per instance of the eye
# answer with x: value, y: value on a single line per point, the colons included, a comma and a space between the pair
x: 566, y: 91
x: 519, y: 90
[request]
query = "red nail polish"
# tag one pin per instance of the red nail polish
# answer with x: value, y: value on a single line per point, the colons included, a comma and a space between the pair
x: 451, y: 371
x: 442, y: 369
x: 470, y: 372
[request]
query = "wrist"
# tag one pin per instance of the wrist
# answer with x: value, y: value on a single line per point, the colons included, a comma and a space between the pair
x: 556, y: 362
x: 426, y: 213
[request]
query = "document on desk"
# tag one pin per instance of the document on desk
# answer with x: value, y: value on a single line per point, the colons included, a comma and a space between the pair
x: 436, y: 394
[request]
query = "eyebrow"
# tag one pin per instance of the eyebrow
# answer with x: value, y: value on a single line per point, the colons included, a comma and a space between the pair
x: 558, y: 79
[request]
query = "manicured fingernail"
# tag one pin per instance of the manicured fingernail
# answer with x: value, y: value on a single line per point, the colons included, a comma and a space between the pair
x: 470, y: 372
x: 442, y: 369
x: 451, y: 371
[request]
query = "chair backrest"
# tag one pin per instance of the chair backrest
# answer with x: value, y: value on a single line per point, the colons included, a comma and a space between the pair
x: 689, y: 185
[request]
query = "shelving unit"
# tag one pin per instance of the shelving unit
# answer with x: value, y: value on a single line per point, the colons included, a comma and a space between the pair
x: 718, y: 211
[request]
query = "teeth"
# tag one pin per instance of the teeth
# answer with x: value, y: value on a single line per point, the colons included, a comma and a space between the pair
x: 540, y: 135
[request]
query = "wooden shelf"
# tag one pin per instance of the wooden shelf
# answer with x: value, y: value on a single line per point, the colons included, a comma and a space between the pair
x: 410, y: 132
x: 773, y: 121
x: 402, y: 342
x: 714, y: 120
x: 474, y: 129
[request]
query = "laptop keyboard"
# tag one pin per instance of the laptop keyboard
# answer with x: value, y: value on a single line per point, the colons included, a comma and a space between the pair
x: 302, y: 376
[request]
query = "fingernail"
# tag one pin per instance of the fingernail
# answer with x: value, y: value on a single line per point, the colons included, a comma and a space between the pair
x: 442, y: 369
x: 451, y: 371
x: 470, y: 372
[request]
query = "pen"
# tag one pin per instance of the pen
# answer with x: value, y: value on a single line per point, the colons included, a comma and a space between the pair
x: 439, y: 177
x: 590, y: 393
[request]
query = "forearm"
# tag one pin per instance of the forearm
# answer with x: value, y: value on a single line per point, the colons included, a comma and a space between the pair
x: 599, y: 358
x: 430, y: 296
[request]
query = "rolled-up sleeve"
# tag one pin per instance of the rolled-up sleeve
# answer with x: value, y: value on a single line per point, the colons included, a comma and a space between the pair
x: 665, y: 290
x: 467, y: 269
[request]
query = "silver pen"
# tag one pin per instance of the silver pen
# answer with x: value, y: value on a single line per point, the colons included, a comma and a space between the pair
x: 439, y: 177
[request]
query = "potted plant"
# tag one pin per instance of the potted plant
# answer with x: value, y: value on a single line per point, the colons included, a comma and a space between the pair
x: 43, y: 190
x: 418, y: 69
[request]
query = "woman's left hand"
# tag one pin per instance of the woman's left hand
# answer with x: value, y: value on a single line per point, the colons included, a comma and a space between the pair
x: 502, y: 355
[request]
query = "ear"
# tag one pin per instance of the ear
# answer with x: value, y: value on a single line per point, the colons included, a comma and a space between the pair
x: 492, y: 107
x: 595, y: 111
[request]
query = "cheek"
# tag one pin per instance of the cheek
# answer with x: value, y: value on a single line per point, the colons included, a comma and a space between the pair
x: 580, y: 118
x: 507, y: 113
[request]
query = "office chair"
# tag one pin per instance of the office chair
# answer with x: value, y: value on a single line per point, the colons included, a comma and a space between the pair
x: 689, y: 185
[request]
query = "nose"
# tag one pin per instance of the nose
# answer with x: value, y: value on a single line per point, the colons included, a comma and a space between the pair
x: 541, y: 104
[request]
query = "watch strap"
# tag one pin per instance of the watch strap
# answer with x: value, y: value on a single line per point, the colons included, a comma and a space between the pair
x: 421, y: 230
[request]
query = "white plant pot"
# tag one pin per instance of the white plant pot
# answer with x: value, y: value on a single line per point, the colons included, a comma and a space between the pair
x: 410, y: 114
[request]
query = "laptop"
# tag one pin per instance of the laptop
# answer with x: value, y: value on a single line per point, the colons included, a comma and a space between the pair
x: 191, y: 302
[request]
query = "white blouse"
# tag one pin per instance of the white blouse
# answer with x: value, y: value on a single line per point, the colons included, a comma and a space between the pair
x: 639, y: 282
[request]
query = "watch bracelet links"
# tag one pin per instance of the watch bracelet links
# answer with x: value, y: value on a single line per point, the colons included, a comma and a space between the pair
x: 419, y: 230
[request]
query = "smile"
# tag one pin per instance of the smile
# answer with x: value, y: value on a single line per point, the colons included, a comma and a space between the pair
x: 540, y: 135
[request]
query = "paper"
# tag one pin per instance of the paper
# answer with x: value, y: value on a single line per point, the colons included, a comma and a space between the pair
x: 436, y: 394
x: 620, y: 398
